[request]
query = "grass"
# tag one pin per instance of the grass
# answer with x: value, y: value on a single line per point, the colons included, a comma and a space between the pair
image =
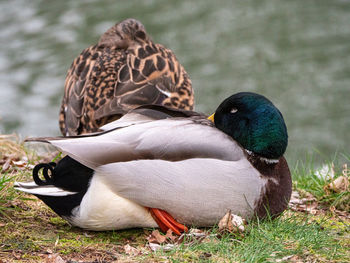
x: 314, y: 181
x: 31, y: 232
x: 291, y: 235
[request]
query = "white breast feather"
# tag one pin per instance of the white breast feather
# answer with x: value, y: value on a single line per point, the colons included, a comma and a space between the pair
x: 101, y: 209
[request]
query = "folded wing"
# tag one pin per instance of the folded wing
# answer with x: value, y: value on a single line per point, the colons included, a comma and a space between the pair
x: 170, y: 139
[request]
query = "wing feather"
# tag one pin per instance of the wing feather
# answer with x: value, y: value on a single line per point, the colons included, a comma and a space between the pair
x: 167, y: 139
x: 146, y: 113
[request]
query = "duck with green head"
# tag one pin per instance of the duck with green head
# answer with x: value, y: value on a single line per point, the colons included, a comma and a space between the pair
x: 160, y: 166
x: 254, y: 122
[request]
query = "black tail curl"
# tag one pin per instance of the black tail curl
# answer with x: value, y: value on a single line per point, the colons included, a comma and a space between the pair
x: 68, y: 175
x: 48, y: 176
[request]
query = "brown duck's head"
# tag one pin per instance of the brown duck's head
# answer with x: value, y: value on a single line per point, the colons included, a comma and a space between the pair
x: 124, y: 34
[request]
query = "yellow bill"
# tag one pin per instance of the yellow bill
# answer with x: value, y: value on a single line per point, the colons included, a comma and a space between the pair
x: 211, y: 117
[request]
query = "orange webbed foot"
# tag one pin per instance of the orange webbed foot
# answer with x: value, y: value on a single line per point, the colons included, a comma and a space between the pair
x: 165, y: 221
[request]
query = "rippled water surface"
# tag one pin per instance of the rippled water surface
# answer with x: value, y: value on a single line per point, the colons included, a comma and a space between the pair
x: 297, y: 53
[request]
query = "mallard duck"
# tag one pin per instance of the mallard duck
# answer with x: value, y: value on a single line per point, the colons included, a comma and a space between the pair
x: 161, y: 166
x: 124, y: 70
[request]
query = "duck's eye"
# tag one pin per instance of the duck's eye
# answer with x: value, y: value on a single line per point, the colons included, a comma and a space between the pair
x: 233, y: 110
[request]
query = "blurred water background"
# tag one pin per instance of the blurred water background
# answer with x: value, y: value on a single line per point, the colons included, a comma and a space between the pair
x: 297, y: 53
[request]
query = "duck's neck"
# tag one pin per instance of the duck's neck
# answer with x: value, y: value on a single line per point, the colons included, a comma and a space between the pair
x: 263, y: 159
x: 278, y: 189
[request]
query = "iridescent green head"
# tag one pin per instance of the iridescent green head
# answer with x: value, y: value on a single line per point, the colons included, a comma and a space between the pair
x: 254, y: 122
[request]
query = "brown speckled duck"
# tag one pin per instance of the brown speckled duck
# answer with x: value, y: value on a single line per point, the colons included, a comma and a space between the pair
x: 124, y: 70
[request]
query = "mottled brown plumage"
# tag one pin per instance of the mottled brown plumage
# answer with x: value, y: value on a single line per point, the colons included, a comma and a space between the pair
x: 124, y: 70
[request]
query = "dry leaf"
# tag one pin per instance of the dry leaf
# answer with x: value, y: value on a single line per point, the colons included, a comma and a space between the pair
x: 194, y: 236
x: 55, y: 258
x: 307, y: 204
x: 197, y: 233
x: 156, y: 237
x: 340, y: 184
x: 285, y: 258
x: 6, y: 166
x: 167, y: 242
x: 130, y: 250
x: 311, y: 208
x: 342, y: 214
x: 295, y: 198
x: 225, y: 221
x: 169, y: 235
x: 23, y: 164
x: 19, y: 163
x: 155, y: 247
x: 232, y: 223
